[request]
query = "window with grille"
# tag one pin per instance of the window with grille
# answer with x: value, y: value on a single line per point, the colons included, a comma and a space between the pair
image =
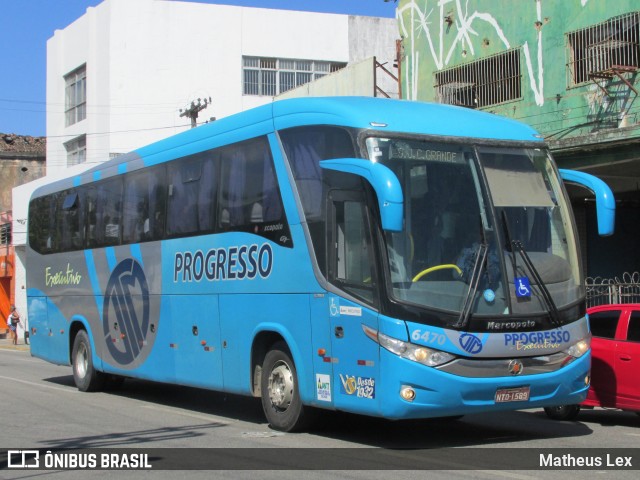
x: 272, y: 76
x: 76, y: 150
x: 603, y: 49
x: 75, y: 103
x: 481, y: 83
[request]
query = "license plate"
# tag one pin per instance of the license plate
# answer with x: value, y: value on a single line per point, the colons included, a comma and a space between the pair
x: 520, y: 394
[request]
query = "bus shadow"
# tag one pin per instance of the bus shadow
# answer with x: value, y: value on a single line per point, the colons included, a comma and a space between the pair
x: 196, y: 400
x: 470, y: 430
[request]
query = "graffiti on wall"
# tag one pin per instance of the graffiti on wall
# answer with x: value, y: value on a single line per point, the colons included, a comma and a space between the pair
x: 427, y: 22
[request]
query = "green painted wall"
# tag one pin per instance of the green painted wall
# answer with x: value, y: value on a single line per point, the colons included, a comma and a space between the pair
x: 583, y: 125
x: 479, y: 28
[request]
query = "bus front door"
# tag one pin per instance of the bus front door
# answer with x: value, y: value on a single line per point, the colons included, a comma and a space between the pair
x: 351, y: 269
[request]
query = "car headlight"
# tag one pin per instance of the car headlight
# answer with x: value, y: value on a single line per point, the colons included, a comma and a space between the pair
x: 578, y: 349
x: 410, y: 351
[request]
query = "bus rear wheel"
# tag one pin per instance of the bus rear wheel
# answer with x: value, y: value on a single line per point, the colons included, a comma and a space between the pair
x: 280, y: 397
x: 85, y: 376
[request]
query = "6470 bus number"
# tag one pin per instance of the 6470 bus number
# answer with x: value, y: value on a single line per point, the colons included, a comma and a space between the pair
x: 431, y: 338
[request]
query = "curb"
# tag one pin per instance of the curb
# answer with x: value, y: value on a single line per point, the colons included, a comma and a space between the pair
x: 7, y: 344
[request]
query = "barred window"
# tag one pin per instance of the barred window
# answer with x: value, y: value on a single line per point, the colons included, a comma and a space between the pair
x: 481, y: 83
x: 75, y: 96
x: 602, y: 50
x: 272, y: 76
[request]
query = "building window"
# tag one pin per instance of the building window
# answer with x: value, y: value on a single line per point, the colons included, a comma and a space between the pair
x: 75, y: 96
x: 272, y: 76
x: 603, y: 50
x: 488, y: 81
x: 76, y: 150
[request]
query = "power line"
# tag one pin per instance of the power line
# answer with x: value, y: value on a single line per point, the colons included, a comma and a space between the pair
x: 118, y: 131
x: 40, y: 102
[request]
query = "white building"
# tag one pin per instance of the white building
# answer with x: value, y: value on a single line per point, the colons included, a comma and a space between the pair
x: 118, y: 76
x: 125, y: 69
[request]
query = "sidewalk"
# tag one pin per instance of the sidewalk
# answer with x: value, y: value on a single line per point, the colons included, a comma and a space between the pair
x: 7, y: 344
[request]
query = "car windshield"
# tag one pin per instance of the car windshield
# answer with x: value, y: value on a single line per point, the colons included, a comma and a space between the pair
x: 476, y: 222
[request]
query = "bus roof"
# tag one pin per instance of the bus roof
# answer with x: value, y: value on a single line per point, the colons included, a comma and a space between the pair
x: 400, y: 116
x: 378, y: 114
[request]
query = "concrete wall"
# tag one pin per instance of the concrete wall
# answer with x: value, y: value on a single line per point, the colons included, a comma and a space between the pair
x: 16, y: 170
x: 356, y: 79
x: 22, y: 159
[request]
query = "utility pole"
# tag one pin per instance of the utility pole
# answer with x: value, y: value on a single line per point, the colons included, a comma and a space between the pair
x: 193, y: 110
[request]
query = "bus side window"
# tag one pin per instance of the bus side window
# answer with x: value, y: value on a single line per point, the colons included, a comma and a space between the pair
x: 71, y: 220
x: 143, y: 206
x: 182, y: 210
x: 136, y: 209
x: 207, y: 192
x: 157, y: 188
x: 42, y: 223
x: 90, y: 198
x: 52, y: 237
x: 108, y: 212
x: 249, y: 193
x: 304, y: 148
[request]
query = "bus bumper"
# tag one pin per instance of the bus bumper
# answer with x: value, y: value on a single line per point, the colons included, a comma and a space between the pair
x: 440, y: 394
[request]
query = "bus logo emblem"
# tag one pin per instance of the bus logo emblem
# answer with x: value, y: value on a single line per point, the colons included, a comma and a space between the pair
x: 126, y: 311
x: 470, y: 343
x: 515, y: 367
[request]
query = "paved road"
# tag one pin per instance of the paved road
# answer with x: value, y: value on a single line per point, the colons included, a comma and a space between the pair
x: 47, y: 412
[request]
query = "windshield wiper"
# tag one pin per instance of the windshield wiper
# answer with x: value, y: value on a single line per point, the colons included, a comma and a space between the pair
x: 474, y: 281
x: 516, y: 245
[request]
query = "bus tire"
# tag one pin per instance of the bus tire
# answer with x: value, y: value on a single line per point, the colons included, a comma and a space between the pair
x: 563, y: 412
x: 279, y: 391
x: 85, y: 376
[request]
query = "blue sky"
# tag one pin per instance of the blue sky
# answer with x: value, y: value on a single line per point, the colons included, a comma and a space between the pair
x: 26, y: 25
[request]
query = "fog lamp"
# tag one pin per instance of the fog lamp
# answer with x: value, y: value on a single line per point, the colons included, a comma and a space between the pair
x: 408, y: 394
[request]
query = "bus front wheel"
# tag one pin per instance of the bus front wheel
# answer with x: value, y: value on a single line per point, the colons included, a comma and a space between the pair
x: 280, y: 397
x: 85, y: 376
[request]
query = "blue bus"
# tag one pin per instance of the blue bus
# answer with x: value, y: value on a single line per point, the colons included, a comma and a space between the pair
x: 389, y: 258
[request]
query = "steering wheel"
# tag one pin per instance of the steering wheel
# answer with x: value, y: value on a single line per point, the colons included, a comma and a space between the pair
x: 427, y: 271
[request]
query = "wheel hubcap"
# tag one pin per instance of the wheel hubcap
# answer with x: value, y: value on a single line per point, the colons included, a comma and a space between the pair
x: 81, y: 361
x: 281, y: 386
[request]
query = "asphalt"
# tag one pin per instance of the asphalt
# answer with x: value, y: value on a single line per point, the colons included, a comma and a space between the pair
x: 7, y: 344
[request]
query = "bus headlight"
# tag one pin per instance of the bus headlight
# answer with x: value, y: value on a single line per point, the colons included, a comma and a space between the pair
x: 410, y: 351
x: 580, y: 348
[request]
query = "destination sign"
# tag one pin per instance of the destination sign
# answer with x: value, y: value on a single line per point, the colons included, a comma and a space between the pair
x: 406, y: 151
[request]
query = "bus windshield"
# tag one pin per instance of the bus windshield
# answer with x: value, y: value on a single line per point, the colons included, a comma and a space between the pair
x: 487, y: 231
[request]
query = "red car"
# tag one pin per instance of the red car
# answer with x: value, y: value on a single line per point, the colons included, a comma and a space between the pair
x: 615, y: 361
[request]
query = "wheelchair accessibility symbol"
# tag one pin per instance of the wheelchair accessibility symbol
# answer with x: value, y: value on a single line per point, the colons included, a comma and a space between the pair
x: 334, y: 310
x: 523, y: 287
